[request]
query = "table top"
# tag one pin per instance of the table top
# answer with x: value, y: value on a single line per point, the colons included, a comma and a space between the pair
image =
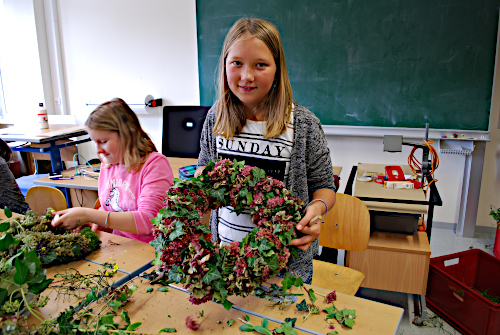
x: 371, y: 317
x: 374, y: 190
x: 133, y: 257
x: 81, y: 182
x: 53, y: 133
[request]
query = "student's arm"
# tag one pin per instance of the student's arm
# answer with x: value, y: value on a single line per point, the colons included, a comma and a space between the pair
x: 314, y: 209
x: 75, y: 217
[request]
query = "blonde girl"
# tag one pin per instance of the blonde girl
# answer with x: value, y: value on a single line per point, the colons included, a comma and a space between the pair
x: 255, y: 119
x: 134, y: 177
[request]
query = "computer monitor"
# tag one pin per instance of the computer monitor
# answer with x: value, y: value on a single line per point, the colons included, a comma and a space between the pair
x: 182, y: 130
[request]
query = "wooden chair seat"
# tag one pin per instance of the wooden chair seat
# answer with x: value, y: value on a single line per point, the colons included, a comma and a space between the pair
x: 336, y: 277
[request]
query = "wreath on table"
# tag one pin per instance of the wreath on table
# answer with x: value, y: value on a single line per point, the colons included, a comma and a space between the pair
x: 53, y: 245
x: 183, y: 244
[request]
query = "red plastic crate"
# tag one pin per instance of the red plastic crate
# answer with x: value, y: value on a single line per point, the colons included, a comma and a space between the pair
x: 451, y: 295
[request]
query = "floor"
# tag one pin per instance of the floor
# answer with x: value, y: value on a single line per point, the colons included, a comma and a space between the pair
x: 443, y: 242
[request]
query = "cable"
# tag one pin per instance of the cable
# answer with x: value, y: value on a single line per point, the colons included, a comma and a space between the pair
x: 86, y: 170
x: 416, y: 165
x: 78, y: 165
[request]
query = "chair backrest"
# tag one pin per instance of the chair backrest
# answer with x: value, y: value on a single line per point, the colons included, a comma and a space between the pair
x: 39, y: 198
x: 182, y: 130
x: 347, y: 225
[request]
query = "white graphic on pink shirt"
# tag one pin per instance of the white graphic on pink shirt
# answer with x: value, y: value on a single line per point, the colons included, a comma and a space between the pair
x: 112, y: 200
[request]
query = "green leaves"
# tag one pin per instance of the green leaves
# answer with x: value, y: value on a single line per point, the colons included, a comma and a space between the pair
x: 163, y: 289
x: 345, y: 316
x: 4, y: 226
x: 302, y: 306
x: 22, y: 272
x: 134, y: 326
x: 167, y: 330
x: 217, y: 194
x: 158, y: 243
x: 175, y: 274
x: 7, y: 212
x: 246, y: 328
x: 290, y: 280
x: 177, y: 232
x: 6, y: 241
x: 287, y: 328
x: 211, y: 275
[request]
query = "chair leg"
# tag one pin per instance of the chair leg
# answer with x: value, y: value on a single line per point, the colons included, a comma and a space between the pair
x: 420, y: 309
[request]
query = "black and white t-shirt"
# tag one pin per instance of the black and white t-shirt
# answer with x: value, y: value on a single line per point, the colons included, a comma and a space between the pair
x: 270, y: 154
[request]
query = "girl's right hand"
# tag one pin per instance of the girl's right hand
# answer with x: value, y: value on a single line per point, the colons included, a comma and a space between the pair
x: 199, y: 171
x: 70, y: 218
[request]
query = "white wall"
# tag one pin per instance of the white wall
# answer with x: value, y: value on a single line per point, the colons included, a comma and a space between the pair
x: 129, y: 49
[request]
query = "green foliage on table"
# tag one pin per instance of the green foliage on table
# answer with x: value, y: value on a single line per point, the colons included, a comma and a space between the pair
x: 22, y: 278
x: 53, y: 246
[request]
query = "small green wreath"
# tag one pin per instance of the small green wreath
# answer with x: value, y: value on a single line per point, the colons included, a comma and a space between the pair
x: 183, y: 243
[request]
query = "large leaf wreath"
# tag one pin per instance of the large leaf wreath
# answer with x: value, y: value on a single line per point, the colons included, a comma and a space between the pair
x: 183, y: 244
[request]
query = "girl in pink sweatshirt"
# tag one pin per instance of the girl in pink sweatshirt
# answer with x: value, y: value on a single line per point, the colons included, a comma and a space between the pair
x: 134, y: 177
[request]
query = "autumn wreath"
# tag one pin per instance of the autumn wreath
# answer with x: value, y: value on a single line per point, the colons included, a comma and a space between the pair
x: 183, y: 244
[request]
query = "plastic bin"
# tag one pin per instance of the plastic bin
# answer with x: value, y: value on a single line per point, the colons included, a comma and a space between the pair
x: 451, y: 294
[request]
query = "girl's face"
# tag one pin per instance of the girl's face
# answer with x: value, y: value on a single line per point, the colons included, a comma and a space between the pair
x: 108, y: 145
x: 250, y: 72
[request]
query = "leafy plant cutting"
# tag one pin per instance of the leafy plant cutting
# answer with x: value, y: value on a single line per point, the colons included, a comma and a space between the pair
x: 22, y: 278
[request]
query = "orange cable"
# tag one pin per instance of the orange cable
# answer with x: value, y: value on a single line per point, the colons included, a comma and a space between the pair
x: 416, y: 165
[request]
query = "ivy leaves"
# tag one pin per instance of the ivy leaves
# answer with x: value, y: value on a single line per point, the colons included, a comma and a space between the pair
x: 345, y: 316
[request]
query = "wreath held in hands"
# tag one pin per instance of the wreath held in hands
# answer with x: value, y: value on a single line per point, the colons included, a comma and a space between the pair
x: 183, y: 243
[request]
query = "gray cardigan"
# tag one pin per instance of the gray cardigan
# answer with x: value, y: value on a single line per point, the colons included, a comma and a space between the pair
x: 10, y: 194
x: 310, y: 170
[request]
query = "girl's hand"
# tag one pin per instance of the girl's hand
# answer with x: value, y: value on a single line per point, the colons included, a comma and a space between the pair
x: 199, y: 171
x: 70, y: 219
x: 310, y: 229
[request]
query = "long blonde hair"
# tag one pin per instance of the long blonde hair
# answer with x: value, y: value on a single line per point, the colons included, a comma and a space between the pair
x: 230, y: 117
x: 115, y: 115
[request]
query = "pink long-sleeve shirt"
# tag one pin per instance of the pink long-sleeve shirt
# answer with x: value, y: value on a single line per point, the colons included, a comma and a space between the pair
x: 141, y: 193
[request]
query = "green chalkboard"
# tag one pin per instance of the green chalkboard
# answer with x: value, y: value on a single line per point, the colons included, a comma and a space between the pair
x: 389, y: 63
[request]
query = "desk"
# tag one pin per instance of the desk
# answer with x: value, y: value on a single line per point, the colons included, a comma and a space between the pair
x: 80, y: 182
x: 392, y: 261
x: 89, y: 196
x: 45, y: 136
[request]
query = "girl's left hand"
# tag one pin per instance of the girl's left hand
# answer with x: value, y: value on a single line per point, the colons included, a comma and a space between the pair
x: 311, y: 231
x: 70, y: 219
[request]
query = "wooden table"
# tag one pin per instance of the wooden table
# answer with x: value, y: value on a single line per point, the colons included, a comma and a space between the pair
x: 133, y: 257
x: 80, y: 182
x: 83, y: 190
x: 47, y: 136
x: 173, y: 307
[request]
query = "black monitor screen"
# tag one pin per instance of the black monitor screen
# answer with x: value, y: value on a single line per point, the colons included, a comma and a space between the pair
x: 182, y: 129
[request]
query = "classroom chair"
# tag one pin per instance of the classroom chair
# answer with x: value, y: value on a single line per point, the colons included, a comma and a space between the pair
x: 39, y: 198
x: 347, y: 227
